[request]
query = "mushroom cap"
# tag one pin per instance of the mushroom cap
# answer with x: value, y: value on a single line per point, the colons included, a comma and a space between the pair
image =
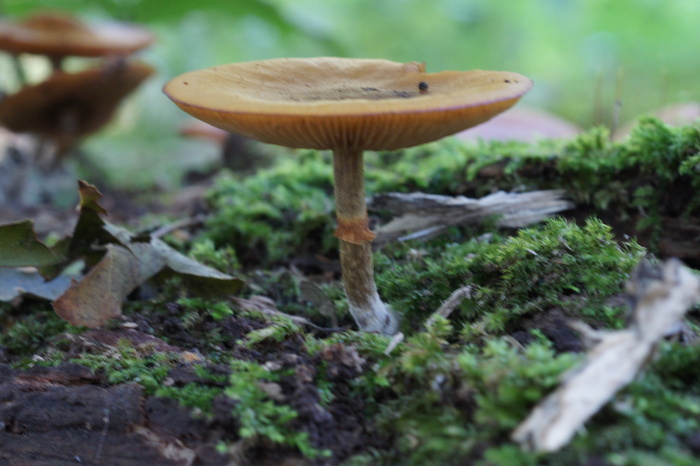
x: 59, y: 34
x: 68, y: 106
x: 343, y: 103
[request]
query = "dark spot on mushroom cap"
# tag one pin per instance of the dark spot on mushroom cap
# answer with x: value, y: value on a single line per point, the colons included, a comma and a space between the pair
x: 422, y: 86
x: 185, y: 83
x: 506, y: 80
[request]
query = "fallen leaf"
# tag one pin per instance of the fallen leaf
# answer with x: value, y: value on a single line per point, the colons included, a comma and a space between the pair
x: 89, y: 229
x: 98, y: 296
x: 18, y: 282
x: 157, y: 258
x: 117, y: 262
x: 19, y: 247
x: 89, y: 234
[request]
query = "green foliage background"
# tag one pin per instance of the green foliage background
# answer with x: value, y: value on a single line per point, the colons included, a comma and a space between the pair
x: 583, y: 55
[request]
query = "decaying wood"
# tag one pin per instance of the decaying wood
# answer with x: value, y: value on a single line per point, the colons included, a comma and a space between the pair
x: 662, y: 294
x: 423, y: 216
x: 67, y: 414
x: 62, y: 416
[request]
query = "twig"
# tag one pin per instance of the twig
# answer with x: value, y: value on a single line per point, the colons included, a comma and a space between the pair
x: 450, y: 304
x: 395, y: 341
x: 267, y: 306
x: 170, y: 227
x: 662, y: 294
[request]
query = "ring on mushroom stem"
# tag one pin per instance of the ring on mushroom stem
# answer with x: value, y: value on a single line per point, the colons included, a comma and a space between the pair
x: 348, y: 106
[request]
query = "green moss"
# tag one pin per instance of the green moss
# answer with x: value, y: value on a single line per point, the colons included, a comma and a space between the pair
x: 646, y: 177
x: 195, y: 309
x: 454, y: 403
x: 192, y: 395
x: 261, y: 416
x: 281, y: 210
x: 257, y: 413
x: 288, y: 208
x: 281, y: 328
x: 444, y: 402
x: 556, y: 265
x: 223, y: 259
x: 128, y: 364
x: 25, y: 329
x: 196, y: 395
x: 150, y: 370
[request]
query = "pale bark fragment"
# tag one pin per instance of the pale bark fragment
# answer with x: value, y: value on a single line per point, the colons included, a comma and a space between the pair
x: 423, y: 216
x: 662, y: 294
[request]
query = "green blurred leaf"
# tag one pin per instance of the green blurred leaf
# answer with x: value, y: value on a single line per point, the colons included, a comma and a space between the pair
x: 19, y: 247
x: 154, y: 11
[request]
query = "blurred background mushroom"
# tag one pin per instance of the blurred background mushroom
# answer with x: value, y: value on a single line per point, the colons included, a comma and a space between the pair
x: 237, y: 153
x: 524, y: 124
x: 66, y: 107
x: 59, y: 112
x: 60, y: 108
x: 57, y: 35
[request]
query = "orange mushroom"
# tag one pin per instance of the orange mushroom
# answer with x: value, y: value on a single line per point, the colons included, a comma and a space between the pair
x: 347, y: 106
x: 68, y: 106
x: 58, y: 35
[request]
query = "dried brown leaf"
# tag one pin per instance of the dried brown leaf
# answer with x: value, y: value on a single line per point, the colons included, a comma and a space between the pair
x: 98, y: 297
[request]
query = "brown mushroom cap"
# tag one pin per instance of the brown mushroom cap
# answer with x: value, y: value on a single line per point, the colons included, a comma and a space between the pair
x: 58, y: 34
x: 343, y: 103
x: 68, y: 106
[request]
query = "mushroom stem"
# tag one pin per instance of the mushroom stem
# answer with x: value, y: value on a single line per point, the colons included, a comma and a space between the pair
x: 355, y: 237
x: 56, y: 63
